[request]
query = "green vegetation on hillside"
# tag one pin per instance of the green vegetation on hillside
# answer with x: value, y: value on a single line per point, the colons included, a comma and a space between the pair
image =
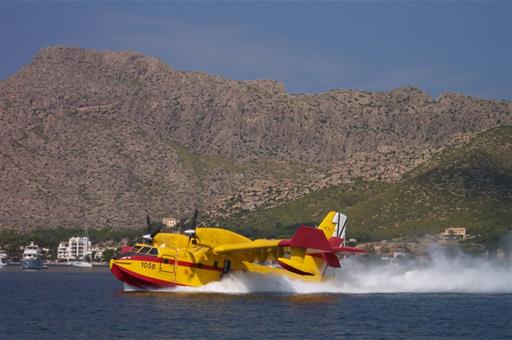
x: 468, y: 186
x: 281, y: 221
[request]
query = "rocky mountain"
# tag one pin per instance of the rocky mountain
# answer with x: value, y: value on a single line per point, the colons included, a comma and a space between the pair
x: 93, y: 138
x: 466, y: 185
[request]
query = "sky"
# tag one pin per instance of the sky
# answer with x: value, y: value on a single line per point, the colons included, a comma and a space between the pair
x: 310, y: 46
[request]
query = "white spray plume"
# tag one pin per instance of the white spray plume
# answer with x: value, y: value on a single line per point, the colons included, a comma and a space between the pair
x: 443, y: 274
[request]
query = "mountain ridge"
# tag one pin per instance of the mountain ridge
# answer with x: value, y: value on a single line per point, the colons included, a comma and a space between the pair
x: 99, y: 138
x: 468, y: 185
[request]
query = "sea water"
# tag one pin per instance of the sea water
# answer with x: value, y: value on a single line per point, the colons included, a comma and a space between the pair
x: 459, y: 297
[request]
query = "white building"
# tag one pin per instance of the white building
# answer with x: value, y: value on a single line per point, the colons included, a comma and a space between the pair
x: 169, y: 221
x: 79, y: 247
x: 76, y: 248
x: 454, y: 233
x: 63, y: 251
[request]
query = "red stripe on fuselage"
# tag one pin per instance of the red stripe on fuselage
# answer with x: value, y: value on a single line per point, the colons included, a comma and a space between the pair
x: 198, y: 266
x: 156, y: 259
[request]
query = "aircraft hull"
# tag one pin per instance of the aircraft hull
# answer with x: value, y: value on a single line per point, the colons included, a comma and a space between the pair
x: 204, y: 255
x: 153, y: 272
x: 138, y: 280
x: 146, y: 272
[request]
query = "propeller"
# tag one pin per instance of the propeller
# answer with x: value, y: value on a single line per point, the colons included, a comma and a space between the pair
x: 194, y: 219
x: 148, y: 223
x: 150, y: 234
x: 191, y: 232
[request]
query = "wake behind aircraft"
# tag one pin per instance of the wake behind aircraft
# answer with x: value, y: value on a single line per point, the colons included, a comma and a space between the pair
x: 199, y: 256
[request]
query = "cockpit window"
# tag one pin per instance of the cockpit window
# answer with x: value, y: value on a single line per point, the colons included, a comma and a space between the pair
x: 144, y: 250
x: 135, y: 249
x: 153, y: 251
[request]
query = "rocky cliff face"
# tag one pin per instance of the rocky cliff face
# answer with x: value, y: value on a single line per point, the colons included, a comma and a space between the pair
x: 99, y: 138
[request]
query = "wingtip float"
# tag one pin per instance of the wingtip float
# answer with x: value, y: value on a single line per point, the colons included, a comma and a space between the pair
x: 199, y: 256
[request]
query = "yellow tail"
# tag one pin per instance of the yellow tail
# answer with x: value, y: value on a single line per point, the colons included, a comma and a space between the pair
x: 302, y: 263
x: 333, y: 224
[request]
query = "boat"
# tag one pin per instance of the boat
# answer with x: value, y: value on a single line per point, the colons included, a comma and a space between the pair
x: 32, y: 258
x: 3, y: 258
x: 201, y: 255
x: 81, y: 263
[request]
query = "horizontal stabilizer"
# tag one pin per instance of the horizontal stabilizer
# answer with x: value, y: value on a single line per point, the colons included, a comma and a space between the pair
x: 316, y: 243
x: 335, y: 241
x: 349, y: 250
x: 307, y: 237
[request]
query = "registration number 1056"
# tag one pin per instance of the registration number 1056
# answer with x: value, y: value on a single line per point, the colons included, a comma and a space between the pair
x: 148, y: 265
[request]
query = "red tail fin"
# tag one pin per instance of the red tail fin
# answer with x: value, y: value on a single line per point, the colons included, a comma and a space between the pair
x: 307, y: 237
x: 315, y: 240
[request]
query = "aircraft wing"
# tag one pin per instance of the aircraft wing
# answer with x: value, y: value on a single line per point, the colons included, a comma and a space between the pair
x: 256, y: 244
x: 306, y: 237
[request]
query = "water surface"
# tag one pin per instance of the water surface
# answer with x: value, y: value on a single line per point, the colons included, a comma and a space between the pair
x: 64, y: 302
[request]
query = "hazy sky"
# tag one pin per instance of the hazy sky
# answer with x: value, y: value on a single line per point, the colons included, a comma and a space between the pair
x: 310, y: 46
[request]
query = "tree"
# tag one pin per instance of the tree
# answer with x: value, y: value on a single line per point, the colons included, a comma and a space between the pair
x: 110, y: 253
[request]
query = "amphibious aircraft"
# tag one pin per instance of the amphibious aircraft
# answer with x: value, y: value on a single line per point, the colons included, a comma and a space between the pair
x: 205, y: 254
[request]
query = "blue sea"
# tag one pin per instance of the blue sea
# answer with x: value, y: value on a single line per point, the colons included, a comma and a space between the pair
x: 372, y: 302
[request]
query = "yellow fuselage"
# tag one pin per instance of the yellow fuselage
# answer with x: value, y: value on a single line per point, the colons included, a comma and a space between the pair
x: 178, y: 260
